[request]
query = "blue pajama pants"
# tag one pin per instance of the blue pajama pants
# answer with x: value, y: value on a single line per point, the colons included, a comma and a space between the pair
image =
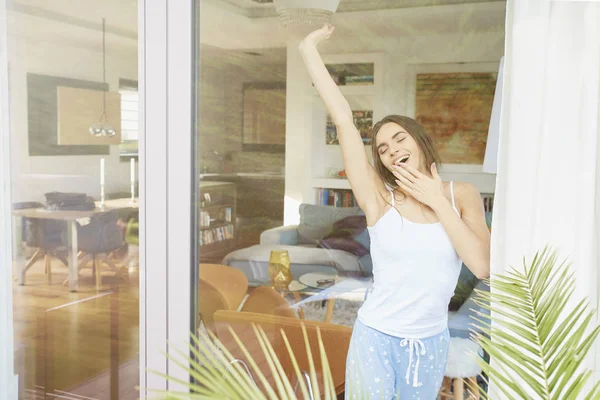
x: 385, y: 367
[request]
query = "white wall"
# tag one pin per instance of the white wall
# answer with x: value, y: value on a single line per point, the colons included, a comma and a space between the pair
x: 304, y: 140
x: 34, y: 176
x: 222, y: 76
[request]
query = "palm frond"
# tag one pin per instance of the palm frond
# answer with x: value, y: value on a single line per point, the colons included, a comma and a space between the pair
x: 536, y: 345
x: 217, y: 376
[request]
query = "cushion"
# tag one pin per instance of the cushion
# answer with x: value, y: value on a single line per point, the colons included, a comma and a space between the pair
x: 347, y: 244
x: 348, y: 234
x: 317, y: 221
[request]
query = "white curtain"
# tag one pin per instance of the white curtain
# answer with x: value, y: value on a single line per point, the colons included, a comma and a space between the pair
x: 547, y: 189
x: 490, y: 159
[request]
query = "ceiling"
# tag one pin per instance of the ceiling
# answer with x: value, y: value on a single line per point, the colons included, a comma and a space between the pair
x: 75, y: 22
x: 266, y: 8
x: 359, y: 31
x: 248, y: 26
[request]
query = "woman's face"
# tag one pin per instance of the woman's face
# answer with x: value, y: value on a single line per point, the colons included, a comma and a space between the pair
x: 395, y: 145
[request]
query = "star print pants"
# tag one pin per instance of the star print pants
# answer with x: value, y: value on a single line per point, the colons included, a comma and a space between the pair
x: 385, y: 367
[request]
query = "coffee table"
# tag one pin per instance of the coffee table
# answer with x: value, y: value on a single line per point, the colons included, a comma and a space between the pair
x: 306, y: 290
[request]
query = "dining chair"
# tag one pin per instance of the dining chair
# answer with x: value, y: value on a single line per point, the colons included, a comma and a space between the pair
x: 46, y: 235
x: 97, y: 239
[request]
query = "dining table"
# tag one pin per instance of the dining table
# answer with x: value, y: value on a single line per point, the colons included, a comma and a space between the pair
x: 71, y: 218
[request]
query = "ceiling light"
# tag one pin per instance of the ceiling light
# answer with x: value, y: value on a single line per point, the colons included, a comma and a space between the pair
x: 103, y: 128
x: 305, y: 11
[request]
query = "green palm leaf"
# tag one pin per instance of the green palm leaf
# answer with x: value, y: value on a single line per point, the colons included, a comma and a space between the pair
x: 536, y: 345
x: 216, y: 377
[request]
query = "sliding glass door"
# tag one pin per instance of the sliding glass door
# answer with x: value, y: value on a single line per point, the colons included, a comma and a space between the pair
x: 96, y: 162
x: 73, y: 100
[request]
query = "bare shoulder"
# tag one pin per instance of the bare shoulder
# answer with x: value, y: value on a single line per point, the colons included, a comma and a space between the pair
x: 460, y: 189
x: 465, y: 188
x: 467, y: 196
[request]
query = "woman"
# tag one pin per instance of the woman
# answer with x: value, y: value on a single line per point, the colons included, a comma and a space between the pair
x: 421, y: 230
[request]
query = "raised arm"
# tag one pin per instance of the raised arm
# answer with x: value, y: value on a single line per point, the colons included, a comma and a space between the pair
x: 365, y: 183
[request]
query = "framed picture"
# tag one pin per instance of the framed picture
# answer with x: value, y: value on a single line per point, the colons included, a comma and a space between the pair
x: 43, y: 116
x: 363, y: 120
x: 455, y: 108
x: 454, y: 104
x: 351, y: 74
x: 263, y: 125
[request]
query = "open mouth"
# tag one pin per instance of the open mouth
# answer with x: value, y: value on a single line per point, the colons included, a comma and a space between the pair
x: 402, y: 160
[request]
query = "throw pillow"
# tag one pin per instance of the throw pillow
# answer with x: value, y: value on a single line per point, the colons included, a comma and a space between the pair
x: 349, y: 234
x: 346, y: 244
x: 317, y: 221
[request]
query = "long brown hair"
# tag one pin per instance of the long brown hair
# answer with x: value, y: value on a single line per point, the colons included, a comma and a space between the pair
x: 418, y: 133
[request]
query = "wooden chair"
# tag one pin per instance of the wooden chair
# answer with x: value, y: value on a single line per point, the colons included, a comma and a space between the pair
x: 266, y: 300
x: 336, y: 340
x: 221, y: 287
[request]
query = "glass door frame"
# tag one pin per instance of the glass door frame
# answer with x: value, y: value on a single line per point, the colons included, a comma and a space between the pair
x: 8, y: 380
x: 166, y: 169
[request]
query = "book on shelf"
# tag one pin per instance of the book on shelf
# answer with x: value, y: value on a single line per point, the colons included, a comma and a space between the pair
x: 358, y: 80
x: 345, y: 198
x: 216, y: 235
x: 335, y: 197
x: 205, y: 218
x: 488, y: 202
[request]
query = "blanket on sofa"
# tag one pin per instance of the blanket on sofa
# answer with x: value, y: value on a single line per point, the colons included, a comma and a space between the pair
x: 348, y: 234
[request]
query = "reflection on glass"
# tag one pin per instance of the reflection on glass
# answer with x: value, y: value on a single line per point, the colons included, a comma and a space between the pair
x: 75, y: 206
x: 272, y: 155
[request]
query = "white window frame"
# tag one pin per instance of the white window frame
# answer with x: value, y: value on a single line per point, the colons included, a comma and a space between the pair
x: 166, y: 110
x: 165, y: 43
x: 8, y: 380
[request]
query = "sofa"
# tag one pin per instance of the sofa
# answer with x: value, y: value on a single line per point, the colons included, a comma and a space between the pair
x: 304, y: 243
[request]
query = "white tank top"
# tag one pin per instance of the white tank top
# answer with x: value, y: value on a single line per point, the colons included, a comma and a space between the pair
x: 415, y: 271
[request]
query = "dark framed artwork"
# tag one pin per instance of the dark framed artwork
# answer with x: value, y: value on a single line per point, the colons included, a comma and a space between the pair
x: 42, y: 116
x: 263, y: 120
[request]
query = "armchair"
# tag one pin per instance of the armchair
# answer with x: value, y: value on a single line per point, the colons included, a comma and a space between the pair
x: 336, y: 340
x: 224, y: 288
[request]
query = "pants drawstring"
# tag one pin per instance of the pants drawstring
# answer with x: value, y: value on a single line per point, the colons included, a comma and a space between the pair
x: 415, y: 346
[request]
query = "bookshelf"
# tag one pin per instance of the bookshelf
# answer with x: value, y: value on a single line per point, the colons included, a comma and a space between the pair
x: 335, y: 197
x: 332, y: 195
x: 361, y: 78
x: 216, y: 220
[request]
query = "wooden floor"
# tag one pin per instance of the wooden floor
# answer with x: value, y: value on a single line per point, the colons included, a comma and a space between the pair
x: 81, y: 345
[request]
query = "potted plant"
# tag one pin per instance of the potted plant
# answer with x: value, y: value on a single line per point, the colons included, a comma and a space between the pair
x: 536, y: 345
